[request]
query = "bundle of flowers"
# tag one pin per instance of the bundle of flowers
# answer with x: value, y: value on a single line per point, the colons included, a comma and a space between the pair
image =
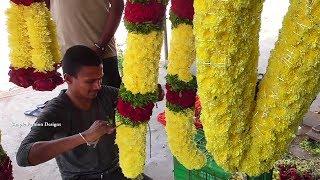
x: 227, y: 54
x: 182, y: 87
x: 288, y: 88
x: 143, y: 20
x: 5, y: 165
x: 35, y: 54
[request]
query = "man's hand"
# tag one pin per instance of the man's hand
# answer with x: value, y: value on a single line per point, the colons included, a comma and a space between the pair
x: 43, y: 151
x: 97, y: 129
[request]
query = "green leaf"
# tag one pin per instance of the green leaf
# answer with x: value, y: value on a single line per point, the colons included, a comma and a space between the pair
x: 178, y: 109
x: 143, y: 28
x: 138, y: 100
x: 176, y: 20
x: 126, y: 121
x: 179, y: 85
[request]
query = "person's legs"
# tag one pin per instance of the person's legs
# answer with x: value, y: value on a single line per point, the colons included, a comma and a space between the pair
x: 111, y: 72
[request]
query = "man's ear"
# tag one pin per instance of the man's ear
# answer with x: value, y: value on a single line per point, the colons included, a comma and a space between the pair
x: 67, y: 78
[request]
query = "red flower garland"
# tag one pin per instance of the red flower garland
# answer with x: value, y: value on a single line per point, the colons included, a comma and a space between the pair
x: 184, y: 99
x: 25, y: 2
x: 186, y: 12
x: 135, y: 114
x: 291, y: 172
x: 151, y: 11
x: 21, y: 76
x: 38, y: 80
x: 6, y: 169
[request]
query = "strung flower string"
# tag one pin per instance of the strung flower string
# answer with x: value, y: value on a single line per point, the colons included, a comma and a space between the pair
x: 181, y: 88
x: 34, y: 50
x: 139, y: 91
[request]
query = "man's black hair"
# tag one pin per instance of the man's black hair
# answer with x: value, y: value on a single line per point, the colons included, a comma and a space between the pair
x: 77, y: 57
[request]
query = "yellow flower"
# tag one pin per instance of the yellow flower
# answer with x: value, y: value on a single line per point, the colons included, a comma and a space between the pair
x: 288, y: 89
x: 140, y: 75
x: 182, y: 52
x: 181, y: 131
x: 54, y: 44
x: 132, y: 143
x: 42, y: 37
x: 180, y: 128
x: 227, y: 54
x: 19, y: 44
x: 141, y: 62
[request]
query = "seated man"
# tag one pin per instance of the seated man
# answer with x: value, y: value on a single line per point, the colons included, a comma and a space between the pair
x: 72, y: 121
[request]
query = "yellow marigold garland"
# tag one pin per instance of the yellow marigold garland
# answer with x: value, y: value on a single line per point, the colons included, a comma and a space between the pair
x: 141, y: 62
x: 180, y: 123
x: 35, y: 52
x: 182, y: 52
x: 227, y: 50
x: 181, y: 131
x: 289, y: 87
x: 20, y: 56
x: 140, y: 69
x: 143, y: 20
x: 38, y: 23
x: 54, y: 44
x: 131, y: 142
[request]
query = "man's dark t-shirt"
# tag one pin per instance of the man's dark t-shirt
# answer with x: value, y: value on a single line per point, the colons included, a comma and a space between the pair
x: 69, y: 120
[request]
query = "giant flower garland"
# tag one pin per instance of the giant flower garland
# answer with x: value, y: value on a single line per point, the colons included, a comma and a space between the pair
x: 5, y: 165
x: 181, y: 88
x: 226, y: 42
x: 289, y: 87
x: 227, y: 50
x: 35, y: 54
x: 139, y: 92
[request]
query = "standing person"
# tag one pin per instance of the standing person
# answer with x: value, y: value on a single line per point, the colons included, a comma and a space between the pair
x: 92, y: 23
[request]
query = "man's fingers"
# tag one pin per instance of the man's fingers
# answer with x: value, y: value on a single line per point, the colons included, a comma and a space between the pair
x: 109, y: 130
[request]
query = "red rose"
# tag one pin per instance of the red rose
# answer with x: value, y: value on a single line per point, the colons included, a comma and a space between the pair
x: 183, y: 8
x: 184, y: 99
x: 122, y: 108
x: 44, y: 85
x: 151, y: 11
x: 197, y: 107
x: 25, y: 2
x: 46, y: 81
x: 21, y: 77
x: 57, y: 79
x: 40, y: 76
x: 6, y: 169
x: 135, y: 114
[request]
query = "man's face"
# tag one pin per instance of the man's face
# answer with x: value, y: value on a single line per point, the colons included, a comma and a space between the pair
x: 88, y: 81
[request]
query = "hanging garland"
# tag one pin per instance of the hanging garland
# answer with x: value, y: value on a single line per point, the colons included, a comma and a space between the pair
x: 5, y: 165
x: 35, y: 54
x: 227, y: 55
x: 288, y: 89
x: 139, y: 91
x: 181, y: 88
x: 277, y: 112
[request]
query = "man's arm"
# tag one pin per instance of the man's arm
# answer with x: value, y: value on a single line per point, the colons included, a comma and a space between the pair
x: 41, y: 152
x: 38, y: 146
x: 112, y: 23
